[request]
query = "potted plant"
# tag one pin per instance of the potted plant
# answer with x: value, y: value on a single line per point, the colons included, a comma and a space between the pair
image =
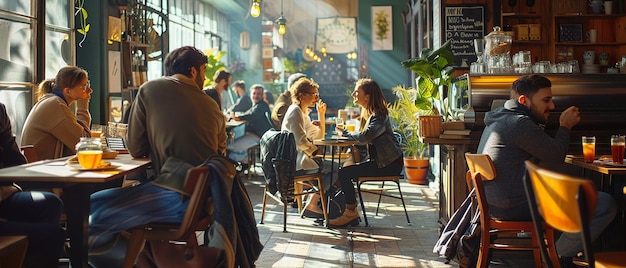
x: 434, y: 75
x: 405, y: 113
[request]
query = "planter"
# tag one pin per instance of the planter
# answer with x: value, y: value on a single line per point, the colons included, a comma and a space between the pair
x: 430, y: 125
x: 416, y: 170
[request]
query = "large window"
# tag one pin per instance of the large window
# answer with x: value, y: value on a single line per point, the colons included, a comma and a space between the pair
x: 18, y: 51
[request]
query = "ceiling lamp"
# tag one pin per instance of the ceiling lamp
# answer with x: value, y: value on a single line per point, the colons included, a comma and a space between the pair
x: 255, y: 10
x: 281, y: 21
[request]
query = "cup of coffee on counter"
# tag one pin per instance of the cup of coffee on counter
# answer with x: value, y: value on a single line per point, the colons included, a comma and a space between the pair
x: 589, y: 148
x: 617, y: 148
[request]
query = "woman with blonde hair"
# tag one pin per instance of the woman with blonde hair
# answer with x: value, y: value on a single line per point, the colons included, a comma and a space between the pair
x: 51, y: 126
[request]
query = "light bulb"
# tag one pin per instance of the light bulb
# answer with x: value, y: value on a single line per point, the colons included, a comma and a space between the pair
x: 255, y: 10
x: 282, y: 29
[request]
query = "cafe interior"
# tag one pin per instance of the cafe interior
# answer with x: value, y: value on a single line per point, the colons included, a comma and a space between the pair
x: 579, y: 45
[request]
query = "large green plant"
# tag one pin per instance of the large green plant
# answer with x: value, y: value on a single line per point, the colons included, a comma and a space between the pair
x: 434, y: 71
x: 214, y: 64
x: 405, y: 112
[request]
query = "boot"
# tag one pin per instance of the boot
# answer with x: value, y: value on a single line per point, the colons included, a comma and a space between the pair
x: 349, y: 217
x: 312, y: 210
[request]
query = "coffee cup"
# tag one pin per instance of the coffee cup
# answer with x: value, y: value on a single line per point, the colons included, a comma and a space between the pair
x: 608, y: 7
x: 592, y: 35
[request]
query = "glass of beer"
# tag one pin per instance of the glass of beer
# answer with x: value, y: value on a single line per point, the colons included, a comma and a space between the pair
x: 617, y: 148
x: 339, y: 124
x: 589, y: 148
x: 351, y: 125
x: 97, y: 131
x: 89, y: 152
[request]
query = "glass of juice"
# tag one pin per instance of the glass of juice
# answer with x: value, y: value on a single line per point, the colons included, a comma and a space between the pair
x: 89, y: 152
x: 617, y: 148
x: 339, y: 124
x: 351, y: 125
x: 589, y: 148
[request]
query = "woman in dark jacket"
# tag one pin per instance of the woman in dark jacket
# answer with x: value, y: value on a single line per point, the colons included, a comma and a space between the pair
x: 385, y: 156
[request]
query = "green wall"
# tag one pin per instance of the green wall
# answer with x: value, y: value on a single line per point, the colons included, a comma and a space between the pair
x: 384, y: 66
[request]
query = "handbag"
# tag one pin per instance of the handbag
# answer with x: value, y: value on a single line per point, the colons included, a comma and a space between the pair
x: 163, y: 254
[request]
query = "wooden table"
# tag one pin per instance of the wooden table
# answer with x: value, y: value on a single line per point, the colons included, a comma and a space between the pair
x: 77, y: 188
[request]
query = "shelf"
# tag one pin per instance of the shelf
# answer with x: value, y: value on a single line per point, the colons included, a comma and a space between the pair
x: 528, y: 42
x: 587, y: 44
x: 593, y: 16
x: 521, y: 15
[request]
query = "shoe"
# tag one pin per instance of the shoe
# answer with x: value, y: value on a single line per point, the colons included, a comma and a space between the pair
x: 312, y: 208
x: 349, y: 217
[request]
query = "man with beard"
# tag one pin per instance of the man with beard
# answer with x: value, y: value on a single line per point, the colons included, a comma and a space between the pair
x: 256, y: 125
x: 170, y: 118
x: 515, y: 133
x: 221, y: 80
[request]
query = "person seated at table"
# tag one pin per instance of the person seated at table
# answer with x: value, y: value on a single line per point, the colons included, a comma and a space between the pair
x: 268, y: 98
x: 193, y: 133
x: 283, y: 101
x: 256, y: 125
x: 51, y: 126
x: 33, y: 214
x: 515, y: 133
x: 221, y: 80
x: 305, y: 94
x: 385, y: 156
x: 244, y: 102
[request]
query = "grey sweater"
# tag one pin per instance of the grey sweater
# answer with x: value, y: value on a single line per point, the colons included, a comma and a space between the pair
x: 513, y: 135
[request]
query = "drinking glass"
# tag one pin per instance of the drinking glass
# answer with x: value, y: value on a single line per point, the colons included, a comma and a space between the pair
x: 351, y: 125
x: 617, y: 148
x: 89, y: 152
x: 339, y: 123
x: 97, y: 131
x: 589, y: 148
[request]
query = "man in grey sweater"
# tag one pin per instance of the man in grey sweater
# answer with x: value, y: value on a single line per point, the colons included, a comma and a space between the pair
x: 515, y: 133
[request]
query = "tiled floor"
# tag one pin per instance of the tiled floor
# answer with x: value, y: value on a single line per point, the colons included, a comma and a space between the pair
x: 389, y: 242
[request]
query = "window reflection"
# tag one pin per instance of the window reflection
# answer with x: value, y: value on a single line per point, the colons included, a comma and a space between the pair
x: 18, y: 103
x: 57, y: 13
x: 58, y: 52
x: 16, y: 63
x: 17, y: 6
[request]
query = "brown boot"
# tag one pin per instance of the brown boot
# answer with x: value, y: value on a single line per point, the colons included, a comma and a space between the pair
x: 349, y: 217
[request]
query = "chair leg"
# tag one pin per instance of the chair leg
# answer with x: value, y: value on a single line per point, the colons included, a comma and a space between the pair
x: 323, y: 199
x: 285, y: 204
x: 358, y: 187
x: 380, y: 196
x: 483, y: 253
x: 297, y: 188
x: 264, y: 203
x: 406, y: 213
x: 136, y: 244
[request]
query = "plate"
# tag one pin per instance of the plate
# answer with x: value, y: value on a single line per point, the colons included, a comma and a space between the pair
x: 109, y: 167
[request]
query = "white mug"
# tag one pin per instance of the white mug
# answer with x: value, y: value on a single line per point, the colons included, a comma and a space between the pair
x: 589, y: 56
x: 592, y: 35
x: 608, y: 7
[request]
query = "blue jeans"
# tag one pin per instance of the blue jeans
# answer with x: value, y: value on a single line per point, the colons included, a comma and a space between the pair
x: 118, y: 209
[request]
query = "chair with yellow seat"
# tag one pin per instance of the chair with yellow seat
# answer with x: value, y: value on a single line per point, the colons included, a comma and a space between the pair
x: 481, y: 169
x: 566, y: 203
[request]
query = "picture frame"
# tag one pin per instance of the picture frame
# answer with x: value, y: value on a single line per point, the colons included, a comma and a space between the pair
x: 114, y: 29
x: 267, y: 41
x: 382, y: 28
x: 267, y: 53
x: 571, y: 32
x: 116, y: 109
x: 267, y: 64
x: 115, y: 71
x: 268, y: 77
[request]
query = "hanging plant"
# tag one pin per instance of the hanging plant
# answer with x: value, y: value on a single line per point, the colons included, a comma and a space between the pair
x: 81, y: 12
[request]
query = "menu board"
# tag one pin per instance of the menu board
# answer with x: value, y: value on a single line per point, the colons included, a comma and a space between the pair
x: 463, y: 24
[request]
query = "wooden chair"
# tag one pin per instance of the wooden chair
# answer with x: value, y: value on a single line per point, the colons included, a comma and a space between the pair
x: 178, y: 232
x: 566, y: 203
x: 302, y: 186
x: 254, y: 154
x: 12, y: 250
x: 380, y: 192
x: 30, y: 153
x: 481, y: 168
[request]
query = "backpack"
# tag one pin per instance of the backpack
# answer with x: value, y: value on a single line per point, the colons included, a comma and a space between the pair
x: 460, y: 239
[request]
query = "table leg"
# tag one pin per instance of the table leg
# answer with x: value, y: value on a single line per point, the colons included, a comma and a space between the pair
x: 77, y: 207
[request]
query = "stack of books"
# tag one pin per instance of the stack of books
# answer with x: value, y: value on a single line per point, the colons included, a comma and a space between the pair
x: 455, y: 130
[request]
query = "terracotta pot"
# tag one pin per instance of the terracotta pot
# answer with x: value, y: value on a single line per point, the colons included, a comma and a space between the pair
x: 416, y: 170
x: 430, y: 125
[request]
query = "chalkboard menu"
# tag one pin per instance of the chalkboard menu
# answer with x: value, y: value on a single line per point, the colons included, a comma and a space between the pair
x: 463, y: 24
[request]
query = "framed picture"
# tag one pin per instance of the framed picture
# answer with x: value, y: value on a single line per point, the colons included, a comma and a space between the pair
x: 267, y: 64
x: 115, y: 71
x: 382, y: 28
x: 115, y: 109
x: 571, y: 32
x: 114, y: 31
x: 267, y: 52
x: 267, y: 41
x: 268, y: 77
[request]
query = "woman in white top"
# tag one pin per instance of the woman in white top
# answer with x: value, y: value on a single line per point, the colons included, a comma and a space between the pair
x: 305, y: 94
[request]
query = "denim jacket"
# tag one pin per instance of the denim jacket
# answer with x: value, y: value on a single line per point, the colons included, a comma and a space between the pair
x: 381, y: 143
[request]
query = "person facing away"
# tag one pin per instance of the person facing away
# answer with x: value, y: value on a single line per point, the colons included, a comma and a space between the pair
x: 221, y: 80
x: 283, y: 101
x: 268, y: 98
x: 244, y: 102
x: 385, y: 155
x: 33, y: 214
x: 515, y: 133
x: 171, y: 117
x: 51, y: 126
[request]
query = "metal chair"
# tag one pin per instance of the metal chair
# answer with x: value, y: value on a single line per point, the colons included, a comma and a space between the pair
x: 380, y: 192
x: 481, y: 168
x: 196, y: 185
x: 566, y: 203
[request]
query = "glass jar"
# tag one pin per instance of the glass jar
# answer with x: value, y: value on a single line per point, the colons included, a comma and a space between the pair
x: 89, y: 152
x: 497, y: 50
